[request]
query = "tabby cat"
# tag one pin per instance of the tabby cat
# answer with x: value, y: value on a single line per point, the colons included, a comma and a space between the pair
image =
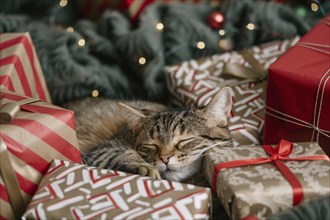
x: 147, y: 138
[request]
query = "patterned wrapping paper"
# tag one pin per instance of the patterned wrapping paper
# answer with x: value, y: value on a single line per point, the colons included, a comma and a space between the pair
x: 37, y: 134
x: 74, y: 191
x: 20, y: 70
x: 6, y: 211
x: 194, y: 83
x: 261, y: 190
x: 304, y: 73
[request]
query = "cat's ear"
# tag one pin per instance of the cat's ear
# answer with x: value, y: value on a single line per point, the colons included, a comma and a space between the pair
x: 135, y: 116
x: 218, y: 109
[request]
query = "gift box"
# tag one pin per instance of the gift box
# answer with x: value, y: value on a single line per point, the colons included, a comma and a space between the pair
x: 20, y: 70
x: 260, y: 181
x: 74, y: 191
x: 32, y: 134
x: 194, y: 83
x: 298, y: 91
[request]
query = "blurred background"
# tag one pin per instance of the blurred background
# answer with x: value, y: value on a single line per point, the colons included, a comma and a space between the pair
x: 119, y: 48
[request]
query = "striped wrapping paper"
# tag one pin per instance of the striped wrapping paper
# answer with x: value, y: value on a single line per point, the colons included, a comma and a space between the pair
x: 194, y: 82
x: 20, y: 70
x: 74, y: 191
x: 38, y: 133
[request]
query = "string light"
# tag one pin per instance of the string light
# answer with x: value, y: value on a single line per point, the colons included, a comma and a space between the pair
x: 250, y: 26
x: 215, y: 3
x: 301, y: 11
x: 222, y: 32
x: 314, y: 7
x: 70, y: 29
x: 81, y: 42
x: 63, y: 3
x: 160, y: 26
x: 200, y: 45
x: 142, y: 60
x: 225, y: 44
x: 95, y: 93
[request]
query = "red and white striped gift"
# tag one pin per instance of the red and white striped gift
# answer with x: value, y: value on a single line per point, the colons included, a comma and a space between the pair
x: 20, y: 70
x: 37, y: 134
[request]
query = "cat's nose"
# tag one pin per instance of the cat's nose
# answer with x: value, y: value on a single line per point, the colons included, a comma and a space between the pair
x: 165, y: 158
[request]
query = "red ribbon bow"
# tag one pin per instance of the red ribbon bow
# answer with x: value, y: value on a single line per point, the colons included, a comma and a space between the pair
x: 277, y: 154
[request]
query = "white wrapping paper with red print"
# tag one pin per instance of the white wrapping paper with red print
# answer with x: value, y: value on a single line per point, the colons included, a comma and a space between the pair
x: 194, y: 82
x: 20, y: 70
x: 257, y: 186
x: 73, y: 191
x: 37, y: 134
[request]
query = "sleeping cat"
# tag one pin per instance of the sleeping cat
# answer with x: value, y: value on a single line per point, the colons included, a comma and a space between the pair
x: 147, y: 138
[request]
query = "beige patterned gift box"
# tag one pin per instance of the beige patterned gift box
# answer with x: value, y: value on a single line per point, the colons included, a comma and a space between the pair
x: 74, y: 191
x: 194, y: 82
x: 20, y: 69
x: 250, y: 182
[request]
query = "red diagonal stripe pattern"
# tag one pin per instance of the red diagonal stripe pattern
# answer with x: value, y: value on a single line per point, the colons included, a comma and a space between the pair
x: 66, y: 116
x: 26, y: 185
x: 25, y: 154
x: 25, y: 41
x: 6, y: 81
x: 3, y: 193
x: 52, y: 138
x: 20, y: 70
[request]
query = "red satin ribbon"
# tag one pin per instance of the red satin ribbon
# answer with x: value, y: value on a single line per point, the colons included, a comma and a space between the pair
x: 280, y: 152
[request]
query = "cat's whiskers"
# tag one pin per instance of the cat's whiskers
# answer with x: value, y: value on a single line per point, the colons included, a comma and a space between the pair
x: 201, y: 154
x: 220, y: 143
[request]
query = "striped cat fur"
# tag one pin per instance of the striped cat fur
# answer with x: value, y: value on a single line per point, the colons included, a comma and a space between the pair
x: 149, y: 139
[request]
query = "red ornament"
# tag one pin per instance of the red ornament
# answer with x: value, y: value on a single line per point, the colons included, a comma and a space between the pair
x: 216, y: 20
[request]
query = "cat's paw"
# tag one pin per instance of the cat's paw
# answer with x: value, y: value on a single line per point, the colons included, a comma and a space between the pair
x: 143, y: 169
x: 147, y: 170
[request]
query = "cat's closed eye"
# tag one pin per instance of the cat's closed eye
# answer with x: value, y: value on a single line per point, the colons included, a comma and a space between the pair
x: 147, y: 149
x: 181, y: 143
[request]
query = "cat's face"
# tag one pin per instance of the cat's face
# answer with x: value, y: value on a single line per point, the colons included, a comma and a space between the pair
x: 174, y: 140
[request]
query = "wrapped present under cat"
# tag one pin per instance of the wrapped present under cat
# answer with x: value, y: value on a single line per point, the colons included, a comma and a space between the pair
x: 75, y: 191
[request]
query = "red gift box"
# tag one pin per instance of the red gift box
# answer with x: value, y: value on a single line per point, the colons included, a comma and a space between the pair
x: 20, y: 69
x: 32, y: 134
x: 298, y: 91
